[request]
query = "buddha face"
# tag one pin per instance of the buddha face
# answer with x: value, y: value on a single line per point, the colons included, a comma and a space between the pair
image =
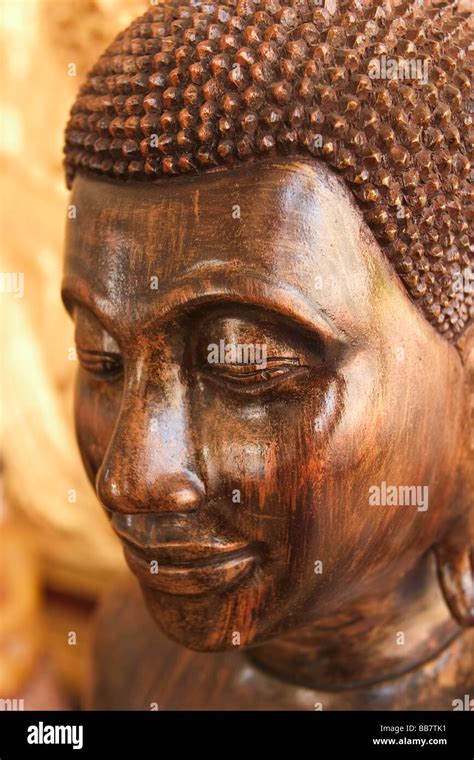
x: 250, y: 368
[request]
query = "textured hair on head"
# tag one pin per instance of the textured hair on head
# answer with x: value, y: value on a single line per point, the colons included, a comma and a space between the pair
x: 191, y: 85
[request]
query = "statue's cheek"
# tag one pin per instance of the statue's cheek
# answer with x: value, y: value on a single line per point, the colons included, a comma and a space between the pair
x: 97, y: 407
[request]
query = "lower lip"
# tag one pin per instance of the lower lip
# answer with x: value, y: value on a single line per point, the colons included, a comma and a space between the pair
x: 191, y: 580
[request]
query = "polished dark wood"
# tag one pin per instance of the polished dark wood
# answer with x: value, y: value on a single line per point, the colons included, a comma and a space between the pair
x: 242, y: 495
x: 155, y: 673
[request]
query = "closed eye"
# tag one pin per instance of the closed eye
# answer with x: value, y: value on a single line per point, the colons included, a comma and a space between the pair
x: 102, y: 364
x: 255, y: 374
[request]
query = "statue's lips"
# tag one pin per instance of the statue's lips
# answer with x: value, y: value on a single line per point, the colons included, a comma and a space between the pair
x: 178, y: 555
x: 188, y: 569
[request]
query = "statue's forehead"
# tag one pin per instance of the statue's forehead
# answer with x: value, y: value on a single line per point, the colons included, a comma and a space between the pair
x: 255, y: 212
x: 289, y: 229
x: 286, y: 180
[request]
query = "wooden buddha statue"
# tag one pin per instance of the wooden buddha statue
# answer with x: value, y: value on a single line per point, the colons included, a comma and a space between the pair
x: 269, y: 274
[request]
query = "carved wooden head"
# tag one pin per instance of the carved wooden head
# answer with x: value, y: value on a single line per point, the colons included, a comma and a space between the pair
x: 273, y: 422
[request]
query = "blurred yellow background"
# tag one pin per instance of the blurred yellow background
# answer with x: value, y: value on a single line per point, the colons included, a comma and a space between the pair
x: 57, y: 552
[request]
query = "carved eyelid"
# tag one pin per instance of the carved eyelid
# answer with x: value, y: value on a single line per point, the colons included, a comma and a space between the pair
x: 106, y: 354
x: 270, y: 360
x: 244, y: 383
x: 106, y: 367
x: 272, y: 373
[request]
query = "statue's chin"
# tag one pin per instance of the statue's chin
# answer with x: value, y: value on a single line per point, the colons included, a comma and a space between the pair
x: 182, y: 620
x: 196, y: 625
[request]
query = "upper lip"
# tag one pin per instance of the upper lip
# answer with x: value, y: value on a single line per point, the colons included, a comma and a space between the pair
x: 169, y: 540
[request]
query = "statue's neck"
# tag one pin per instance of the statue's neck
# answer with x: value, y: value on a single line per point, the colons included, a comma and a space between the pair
x: 377, y: 639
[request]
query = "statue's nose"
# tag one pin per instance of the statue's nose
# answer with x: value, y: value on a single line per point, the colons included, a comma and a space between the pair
x: 150, y: 463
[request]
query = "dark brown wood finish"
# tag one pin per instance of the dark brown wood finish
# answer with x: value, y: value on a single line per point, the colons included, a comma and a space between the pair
x: 155, y: 673
x: 251, y: 489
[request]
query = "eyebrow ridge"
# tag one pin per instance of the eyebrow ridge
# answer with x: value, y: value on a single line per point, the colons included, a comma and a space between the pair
x: 267, y: 296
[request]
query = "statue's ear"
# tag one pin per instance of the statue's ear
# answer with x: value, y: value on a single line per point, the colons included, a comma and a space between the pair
x: 455, y: 561
x: 455, y: 550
